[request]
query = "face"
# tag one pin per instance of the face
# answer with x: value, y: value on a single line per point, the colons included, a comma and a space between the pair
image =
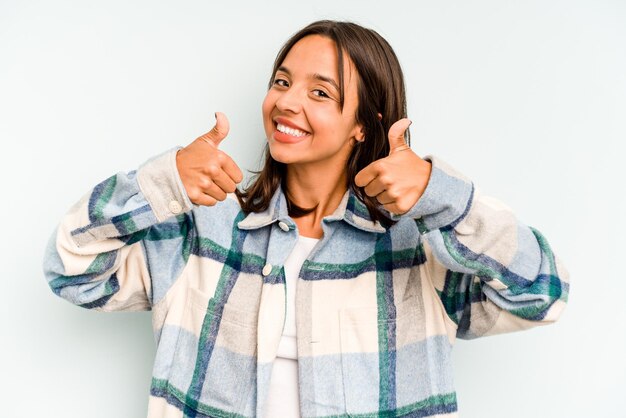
x: 303, y: 119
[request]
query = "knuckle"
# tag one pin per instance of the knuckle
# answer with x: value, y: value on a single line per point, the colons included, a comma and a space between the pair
x: 402, y: 206
x: 194, y: 195
x: 212, y: 170
x: 204, y: 140
x: 219, y: 133
x: 385, y: 179
x: 204, y: 183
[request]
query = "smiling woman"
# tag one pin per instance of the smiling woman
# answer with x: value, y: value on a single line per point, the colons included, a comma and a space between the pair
x: 336, y: 283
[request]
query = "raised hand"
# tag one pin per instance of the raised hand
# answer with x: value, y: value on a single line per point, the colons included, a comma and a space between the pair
x: 398, y: 180
x: 208, y: 173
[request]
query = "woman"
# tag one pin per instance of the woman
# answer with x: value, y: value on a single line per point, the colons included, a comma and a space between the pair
x: 337, y: 282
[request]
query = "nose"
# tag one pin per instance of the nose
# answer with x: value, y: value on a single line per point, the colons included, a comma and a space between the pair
x: 289, y: 101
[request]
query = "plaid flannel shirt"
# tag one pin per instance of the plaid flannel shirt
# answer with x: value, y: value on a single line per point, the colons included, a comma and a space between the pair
x: 377, y: 309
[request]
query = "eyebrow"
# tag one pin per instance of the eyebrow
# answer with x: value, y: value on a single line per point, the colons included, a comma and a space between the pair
x: 315, y: 76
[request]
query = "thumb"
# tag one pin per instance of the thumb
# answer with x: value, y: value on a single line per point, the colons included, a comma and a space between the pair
x: 396, y: 134
x: 219, y: 131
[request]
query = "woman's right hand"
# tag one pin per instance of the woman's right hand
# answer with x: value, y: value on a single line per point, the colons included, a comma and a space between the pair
x: 207, y: 173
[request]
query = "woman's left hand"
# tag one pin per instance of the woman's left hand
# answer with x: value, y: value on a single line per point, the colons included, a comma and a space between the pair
x: 398, y: 180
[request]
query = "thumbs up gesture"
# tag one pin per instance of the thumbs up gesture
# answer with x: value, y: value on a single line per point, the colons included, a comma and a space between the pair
x: 398, y: 180
x: 208, y: 173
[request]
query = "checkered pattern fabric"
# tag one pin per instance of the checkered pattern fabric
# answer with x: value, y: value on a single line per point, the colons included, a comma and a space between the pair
x: 377, y: 309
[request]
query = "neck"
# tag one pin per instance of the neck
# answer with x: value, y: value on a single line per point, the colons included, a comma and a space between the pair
x: 309, y: 185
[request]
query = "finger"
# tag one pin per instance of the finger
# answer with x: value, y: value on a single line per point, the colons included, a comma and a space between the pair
x: 212, y: 189
x: 365, y: 176
x: 203, y: 199
x: 232, y: 169
x: 385, y: 199
x: 219, y: 131
x: 392, y: 208
x: 396, y: 135
x: 374, y: 188
x: 224, y: 182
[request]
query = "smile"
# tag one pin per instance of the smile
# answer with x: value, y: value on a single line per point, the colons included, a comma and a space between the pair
x: 290, y: 131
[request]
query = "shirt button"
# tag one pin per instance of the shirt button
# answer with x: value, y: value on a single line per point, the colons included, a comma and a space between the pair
x: 267, y: 269
x: 175, y: 207
x: 283, y: 226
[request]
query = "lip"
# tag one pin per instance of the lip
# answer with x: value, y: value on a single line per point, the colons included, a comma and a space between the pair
x: 287, y: 122
x: 284, y: 137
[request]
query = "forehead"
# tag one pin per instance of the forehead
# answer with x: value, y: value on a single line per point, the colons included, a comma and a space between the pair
x: 317, y: 54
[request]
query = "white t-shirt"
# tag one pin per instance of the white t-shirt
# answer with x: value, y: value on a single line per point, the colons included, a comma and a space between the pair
x: 283, y: 400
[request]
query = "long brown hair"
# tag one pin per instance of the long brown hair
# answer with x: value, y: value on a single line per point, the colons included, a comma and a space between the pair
x: 380, y: 90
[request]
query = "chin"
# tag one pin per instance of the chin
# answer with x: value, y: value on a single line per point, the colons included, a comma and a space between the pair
x: 281, y: 157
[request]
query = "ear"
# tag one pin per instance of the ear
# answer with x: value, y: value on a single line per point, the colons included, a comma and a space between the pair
x: 380, y: 117
x: 360, y: 134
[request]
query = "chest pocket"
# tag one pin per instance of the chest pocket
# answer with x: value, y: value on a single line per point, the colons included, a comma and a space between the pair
x: 214, y: 365
x: 374, y: 355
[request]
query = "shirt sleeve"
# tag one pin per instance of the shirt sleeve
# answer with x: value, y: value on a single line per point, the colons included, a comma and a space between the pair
x: 493, y: 273
x: 96, y: 258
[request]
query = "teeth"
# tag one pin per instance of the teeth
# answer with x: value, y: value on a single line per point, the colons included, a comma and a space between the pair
x: 290, y: 131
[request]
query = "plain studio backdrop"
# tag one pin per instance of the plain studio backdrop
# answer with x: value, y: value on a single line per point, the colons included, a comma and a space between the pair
x: 528, y: 99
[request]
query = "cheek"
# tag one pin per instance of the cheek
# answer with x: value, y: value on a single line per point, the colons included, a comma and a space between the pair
x: 266, y: 106
x: 324, y: 122
x: 329, y: 125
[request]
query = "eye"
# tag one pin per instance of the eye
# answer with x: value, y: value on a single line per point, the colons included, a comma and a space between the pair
x: 322, y: 93
x: 280, y: 81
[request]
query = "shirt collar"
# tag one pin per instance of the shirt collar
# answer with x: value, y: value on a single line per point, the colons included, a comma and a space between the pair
x: 350, y: 209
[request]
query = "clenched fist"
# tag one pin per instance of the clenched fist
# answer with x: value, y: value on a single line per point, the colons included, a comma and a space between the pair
x: 207, y: 173
x: 398, y: 180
